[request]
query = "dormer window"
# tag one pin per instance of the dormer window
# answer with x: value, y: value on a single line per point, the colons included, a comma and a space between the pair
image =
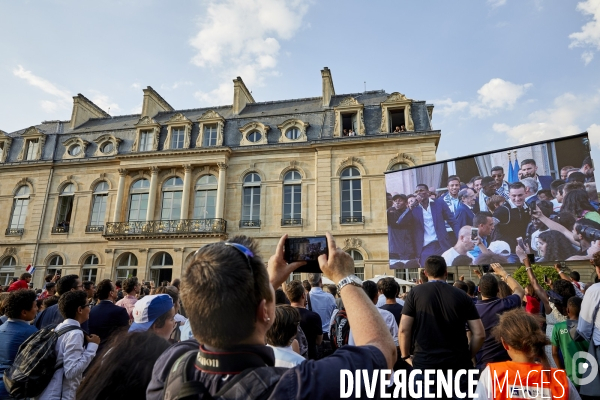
x: 33, y: 143
x: 292, y: 133
x: 146, y: 141
x: 33, y: 146
x: 210, y: 126
x: 75, y: 148
x: 147, y: 134
x: 177, y: 137
x: 254, y: 136
x: 179, y: 131
x: 395, y: 114
x: 108, y: 145
x: 107, y: 148
x: 349, y: 120
x: 5, y: 142
x: 293, y: 130
x: 210, y: 135
x: 254, y: 133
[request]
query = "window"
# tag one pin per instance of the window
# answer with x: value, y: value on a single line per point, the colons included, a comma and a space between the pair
x: 32, y: 149
x: 359, y: 266
x: 171, y: 199
x: 127, y: 266
x: 19, y: 211
x: 292, y: 133
x: 292, y: 197
x: 397, y: 120
x: 7, y: 270
x: 399, y: 166
x: 251, y: 201
x: 65, y: 209
x: 254, y: 136
x: 205, y: 200
x: 1, y: 150
x: 210, y: 135
x: 162, y: 268
x: 54, y: 264
x: 88, y: 273
x: 75, y: 150
x: 177, y: 138
x: 408, y: 274
x: 138, y: 200
x: 351, y: 196
x: 99, y: 205
x: 349, y: 122
x: 107, y: 147
x: 146, y: 141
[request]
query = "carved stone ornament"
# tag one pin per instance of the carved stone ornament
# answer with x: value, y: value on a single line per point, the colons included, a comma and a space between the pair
x: 146, y: 121
x: 251, y: 127
x: 351, y: 161
x: 348, y: 101
x: 10, y: 251
x: 142, y: 250
x: 5, y: 143
x: 352, y: 243
x: 102, y: 140
x: 210, y: 114
x: 222, y: 166
x: 396, y: 96
x: 402, y: 158
x: 293, y: 164
x: 108, y: 251
x: 179, y: 117
x: 27, y: 182
x: 293, y: 123
x: 122, y: 172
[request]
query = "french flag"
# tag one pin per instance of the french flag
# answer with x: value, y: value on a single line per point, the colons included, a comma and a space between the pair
x: 30, y: 269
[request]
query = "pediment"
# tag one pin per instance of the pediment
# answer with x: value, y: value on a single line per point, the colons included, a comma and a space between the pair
x: 32, y: 131
x: 178, y: 118
x: 107, y: 137
x: 397, y: 97
x: 349, y: 102
x: 210, y: 114
x: 75, y: 140
x: 147, y: 121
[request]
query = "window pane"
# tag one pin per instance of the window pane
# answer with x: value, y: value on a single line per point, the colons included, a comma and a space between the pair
x: 177, y: 138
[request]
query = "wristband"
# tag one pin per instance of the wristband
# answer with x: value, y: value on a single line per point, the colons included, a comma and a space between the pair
x: 561, y: 272
x: 405, y: 358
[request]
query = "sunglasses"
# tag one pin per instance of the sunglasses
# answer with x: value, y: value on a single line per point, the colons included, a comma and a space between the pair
x: 239, y: 247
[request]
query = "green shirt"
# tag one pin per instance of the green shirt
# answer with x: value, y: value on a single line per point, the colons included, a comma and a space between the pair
x: 562, y: 339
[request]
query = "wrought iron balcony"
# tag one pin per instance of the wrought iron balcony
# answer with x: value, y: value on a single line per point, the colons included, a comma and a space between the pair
x: 166, y: 227
x: 352, y: 220
x: 15, y: 231
x: 250, y: 223
x: 94, y: 228
x: 60, y: 229
x: 291, y: 221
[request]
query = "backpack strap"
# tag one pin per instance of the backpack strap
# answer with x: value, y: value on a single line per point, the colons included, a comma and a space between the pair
x: 250, y: 381
x: 66, y: 329
x: 178, y: 381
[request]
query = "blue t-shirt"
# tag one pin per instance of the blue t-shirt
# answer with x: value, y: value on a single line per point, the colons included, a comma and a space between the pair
x: 12, y: 334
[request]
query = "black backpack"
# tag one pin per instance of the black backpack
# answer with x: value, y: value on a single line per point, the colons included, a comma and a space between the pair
x: 339, y: 332
x: 35, y: 363
x: 252, y: 383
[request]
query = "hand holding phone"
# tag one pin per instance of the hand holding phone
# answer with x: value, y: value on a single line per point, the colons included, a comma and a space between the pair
x: 474, y: 234
x: 306, y: 249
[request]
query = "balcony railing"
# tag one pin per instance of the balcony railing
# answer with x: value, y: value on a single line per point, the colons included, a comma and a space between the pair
x: 166, y: 227
x: 60, y: 229
x: 94, y: 228
x: 291, y: 221
x: 15, y: 231
x: 250, y: 223
x: 352, y: 220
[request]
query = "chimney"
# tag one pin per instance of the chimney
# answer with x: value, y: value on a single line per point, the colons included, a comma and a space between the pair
x: 328, y: 89
x: 84, y: 110
x: 241, y: 96
x: 153, y: 103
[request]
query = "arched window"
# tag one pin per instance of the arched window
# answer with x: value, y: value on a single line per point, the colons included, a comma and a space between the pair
x: 359, y: 266
x: 254, y: 136
x: 98, y: 208
x: 205, y: 200
x: 398, y: 166
x: 171, y: 199
x: 351, y: 196
x: 127, y: 266
x: 293, y: 133
x: 55, y: 263
x: 7, y: 270
x: 251, y: 201
x: 138, y: 200
x: 19, y: 211
x: 162, y: 268
x: 89, y: 270
x: 65, y: 209
x: 292, y: 198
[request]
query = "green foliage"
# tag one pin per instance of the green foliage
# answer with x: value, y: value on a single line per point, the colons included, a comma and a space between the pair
x: 539, y: 271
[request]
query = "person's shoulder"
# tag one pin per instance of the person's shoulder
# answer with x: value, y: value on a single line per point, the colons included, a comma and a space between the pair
x: 512, y: 301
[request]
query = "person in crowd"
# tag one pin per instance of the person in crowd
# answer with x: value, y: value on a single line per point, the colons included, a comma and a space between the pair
x: 240, y: 333
x: 571, y: 186
x: 545, y: 194
x: 351, y: 132
x: 310, y: 321
x: 461, y: 285
x: 536, y: 226
x: 529, y: 168
x: 119, y: 285
x: 22, y: 283
x: 119, y: 377
x: 461, y: 261
x: 50, y: 278
x: 156, y: 313
x: 180, y: 320
x: 381, y: 300
x: 564, y: 170
x: 524, y: 341
x: 3, y: 300
x: 71, y: 349
x: 592, y: 192
x: 532, y: 301
x: 576, y: 177
x: 531, y: 190
x: 490, y: 307
x: 464, y: 212
x: 488, y: 189
x: 554, y: 246
x: 390, y: 289
x: 494, y: 202
x: 345, y: 132
x: 577, y: 203
x: 105, y: 317
x: 451, y: 197
x: 397, y: 130
x: 52, y: 315
x: 475, y: 184
x: 430, y: 218
x: 503, y: 290
x: 463, y: 245
x: 557, y: 200
x: 484, y: 222
x: 564, y: 337
x: 587, y: 169
x: 513, y: 217
x: 131, y: 287
x: 48, y: 302
x: 282, y: 333
x: 322, y: 303
x: 20, y: 308
x: 90, y: 289
x: 497, y: 173
x: 400, y: 230
x: 49, y: 291
x: 587, y: 323
x: 433, y: 320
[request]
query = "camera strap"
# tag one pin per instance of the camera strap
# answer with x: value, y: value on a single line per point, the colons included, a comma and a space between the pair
x: 234, y: 361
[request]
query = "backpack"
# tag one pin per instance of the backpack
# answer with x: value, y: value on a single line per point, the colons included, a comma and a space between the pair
x: 252, y: 383
x: 339, y: 331
x: 35, y: 363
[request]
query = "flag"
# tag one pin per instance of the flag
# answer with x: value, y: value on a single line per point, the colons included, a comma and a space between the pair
x: 510, y: 177
x: 30, y: 269
x: 516, y: 170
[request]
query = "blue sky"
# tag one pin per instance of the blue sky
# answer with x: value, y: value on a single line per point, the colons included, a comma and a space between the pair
x: 500, y: 72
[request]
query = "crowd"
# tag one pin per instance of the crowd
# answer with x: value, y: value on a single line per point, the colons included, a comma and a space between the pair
x: 233, y: 328
x: 556, y: 219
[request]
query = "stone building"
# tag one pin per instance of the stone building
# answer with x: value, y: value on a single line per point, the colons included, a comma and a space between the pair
x: 110, y: 197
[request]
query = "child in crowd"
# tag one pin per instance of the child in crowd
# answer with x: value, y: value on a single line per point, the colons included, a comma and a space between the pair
x: 281, y: 335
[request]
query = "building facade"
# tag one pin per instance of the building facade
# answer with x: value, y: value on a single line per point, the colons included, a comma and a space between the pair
x: 111, y: 197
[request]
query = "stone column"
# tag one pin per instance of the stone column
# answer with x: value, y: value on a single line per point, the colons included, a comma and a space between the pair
x: 221, y: 190
x: 185, y: 198
x: 120, y: 194
x: 152, y: 193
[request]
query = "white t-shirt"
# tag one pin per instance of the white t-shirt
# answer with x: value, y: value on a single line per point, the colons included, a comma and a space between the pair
x: 286, y: 357
x: 450, y: 254
x: 390, y: 321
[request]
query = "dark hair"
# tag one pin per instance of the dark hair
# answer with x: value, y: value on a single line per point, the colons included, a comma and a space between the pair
x: 162, y: 320
x: 558, y: 247
x: 69, y: 302
x: 481, y: 218
x: 104, y: 288
x: 556, y: 183
x: 115, y: 376
x: 87, y: 285
x: 50, y: 285
x: 219, y: 286
x: 497, y: 168
x: 176, y: 282
x: 280, y: 297
x: 488, y: 286
x: 452, y: 178
x: 587, y: 161
x: 389, y: 287
x: 572, y: 186
x: 545, y: 192
x: 3, y: 299
x: 574, y: 303
x: 516, y: 185
x: 306, y: 285
x: 545, y: 207
x: 130, y: 284
x: 462, y: 260
x: 528, y: 161
x: 118, y: 283
x: 566, y: 219
x: 294, y: 291
x: 575, y: 276
x: 422, y: 185
x: 560, y: 188
x: 566, y: 290
x: 48, y: 277
x: 490, y: 258
x: 66, y: 283
x: 471, y: 285
x: 171, y: 291
x: 370, y: 289
x: 17, y: 301
x: 285, y: 326
x: 25, y: 275
x: 462, y: 286
x: 332, y: 289
x: 576, y: 202
x: 435, y: 266
x: 576, y: 177
x: 49, y: 302
x: 522, y: 332
x: 475, y: 178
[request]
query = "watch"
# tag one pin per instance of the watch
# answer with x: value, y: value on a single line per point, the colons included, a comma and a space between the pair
x: 349, y: 280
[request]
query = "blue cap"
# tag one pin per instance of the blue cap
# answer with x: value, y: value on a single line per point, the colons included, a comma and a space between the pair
x: 148, y: 309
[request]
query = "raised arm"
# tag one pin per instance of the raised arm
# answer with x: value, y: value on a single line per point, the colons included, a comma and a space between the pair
x: 510, y: 281
x: 555, y: 226
x: 532, y: 279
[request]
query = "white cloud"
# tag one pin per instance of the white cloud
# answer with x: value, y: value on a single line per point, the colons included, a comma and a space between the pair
x: 103, y: 101
x: 496, y: 3
x: 63, y: 98
x: 241, y: 38
x: 594, y: 134
x: 589, y: 36
x: 448, y: 107
x: 136, y: 86
x: 495, y: 95
x: 587, y: 57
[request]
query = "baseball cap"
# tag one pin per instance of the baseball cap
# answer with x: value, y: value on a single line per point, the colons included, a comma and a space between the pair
x: 499, y: 247
x: 148, y: 309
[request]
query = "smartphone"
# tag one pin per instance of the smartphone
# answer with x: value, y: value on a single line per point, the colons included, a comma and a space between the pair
x: 474, y: 234
x: 545, y: 278
x: 58, y: 272
x: 531, y: 258
x: 306, y: 249
x: 521, y: 243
